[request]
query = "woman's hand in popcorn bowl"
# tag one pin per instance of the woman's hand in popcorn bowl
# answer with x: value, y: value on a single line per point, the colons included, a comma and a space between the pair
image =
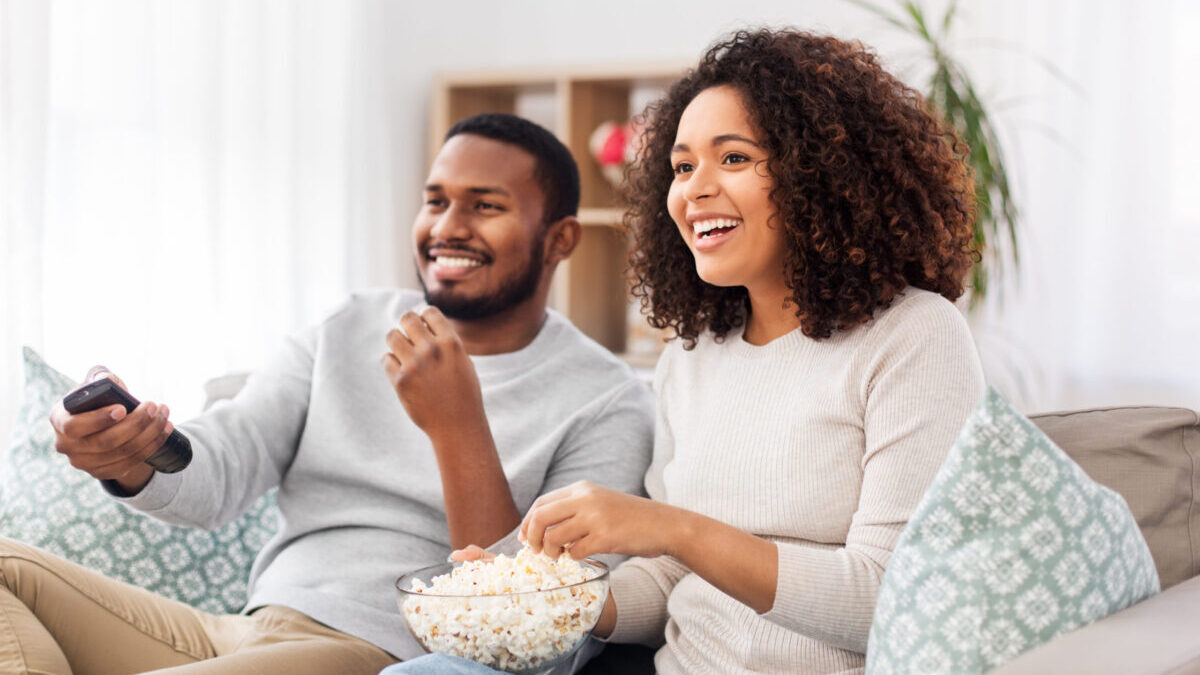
x: 584, y: 519
x: 522, y: 614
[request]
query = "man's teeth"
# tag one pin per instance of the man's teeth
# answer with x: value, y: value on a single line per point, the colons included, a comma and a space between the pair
x: 447, y: 261
x: 703, y: 227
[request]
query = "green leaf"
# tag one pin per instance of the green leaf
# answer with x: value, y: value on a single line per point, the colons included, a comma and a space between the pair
x: 948, y: 18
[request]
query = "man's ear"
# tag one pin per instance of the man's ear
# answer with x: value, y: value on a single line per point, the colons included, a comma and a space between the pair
x: 562, y: 238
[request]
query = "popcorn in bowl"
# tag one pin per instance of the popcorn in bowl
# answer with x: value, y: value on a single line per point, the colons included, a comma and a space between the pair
x: 519, y: 614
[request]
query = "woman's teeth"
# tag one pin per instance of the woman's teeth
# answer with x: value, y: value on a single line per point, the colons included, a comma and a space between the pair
x: 446, y: 261
x: 707, y: 228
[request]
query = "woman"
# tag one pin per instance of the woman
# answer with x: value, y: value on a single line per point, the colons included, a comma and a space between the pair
x: 802, y: 223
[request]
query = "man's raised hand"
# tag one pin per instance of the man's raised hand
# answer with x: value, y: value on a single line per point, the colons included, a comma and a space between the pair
x: 432, y: 374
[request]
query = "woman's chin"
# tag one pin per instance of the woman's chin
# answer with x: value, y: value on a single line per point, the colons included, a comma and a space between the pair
x: 716, y: 277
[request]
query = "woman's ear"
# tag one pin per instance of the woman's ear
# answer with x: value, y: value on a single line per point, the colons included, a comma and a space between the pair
x: 561, y: 240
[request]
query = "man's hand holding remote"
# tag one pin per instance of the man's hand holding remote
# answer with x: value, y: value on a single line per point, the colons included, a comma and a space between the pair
x: 109, y: 443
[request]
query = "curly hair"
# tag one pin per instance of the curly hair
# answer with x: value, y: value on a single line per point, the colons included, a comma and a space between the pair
x: 871, y: 189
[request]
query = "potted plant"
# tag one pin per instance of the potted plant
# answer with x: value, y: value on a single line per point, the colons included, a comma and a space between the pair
x: 952, y: 94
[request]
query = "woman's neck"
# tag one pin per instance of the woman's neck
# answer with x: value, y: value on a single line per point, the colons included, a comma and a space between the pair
x: 772, y: 315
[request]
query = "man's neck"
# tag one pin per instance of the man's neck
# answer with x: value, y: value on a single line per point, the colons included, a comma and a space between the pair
x: 502, y: 333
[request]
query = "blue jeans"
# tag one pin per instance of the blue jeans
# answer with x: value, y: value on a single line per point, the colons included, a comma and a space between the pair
x: 438, y: 664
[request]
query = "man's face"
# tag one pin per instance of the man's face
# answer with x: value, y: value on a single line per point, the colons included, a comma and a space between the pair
x: 479, y: 238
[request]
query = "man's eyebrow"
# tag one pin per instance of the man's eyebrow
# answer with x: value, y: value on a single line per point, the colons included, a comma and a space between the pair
x: 480, y: 190
x: 489, y: 190
x: 717, y: 140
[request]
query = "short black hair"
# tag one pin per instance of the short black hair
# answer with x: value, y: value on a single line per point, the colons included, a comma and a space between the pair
x: 555, y: 171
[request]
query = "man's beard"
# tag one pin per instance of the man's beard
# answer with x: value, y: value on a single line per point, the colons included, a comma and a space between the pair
x: 512, y: 292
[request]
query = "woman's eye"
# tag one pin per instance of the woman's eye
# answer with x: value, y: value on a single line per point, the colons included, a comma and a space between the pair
x: 736, y: 158
x: 682, y: 167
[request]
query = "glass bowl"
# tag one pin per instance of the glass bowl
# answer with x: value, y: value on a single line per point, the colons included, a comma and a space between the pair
x: 522, y: 633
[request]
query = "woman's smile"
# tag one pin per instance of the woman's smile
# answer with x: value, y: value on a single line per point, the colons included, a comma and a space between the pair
x: 710, y: 232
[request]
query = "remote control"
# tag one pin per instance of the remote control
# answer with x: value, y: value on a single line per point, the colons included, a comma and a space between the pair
x: 175, y: 453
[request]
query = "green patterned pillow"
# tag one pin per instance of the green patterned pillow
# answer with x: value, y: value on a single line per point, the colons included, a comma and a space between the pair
x: 1012, y: 545
x: 49, y: 504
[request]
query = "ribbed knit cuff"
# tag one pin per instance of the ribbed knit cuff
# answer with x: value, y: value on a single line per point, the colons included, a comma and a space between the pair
x: 154, y: 495
x: 641, y: 607
x: 822, y: 594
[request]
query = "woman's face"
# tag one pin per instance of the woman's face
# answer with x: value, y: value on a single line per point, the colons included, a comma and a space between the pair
x: 720, y: 198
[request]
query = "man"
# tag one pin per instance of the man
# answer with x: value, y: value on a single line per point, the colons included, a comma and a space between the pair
x: 499, y: 401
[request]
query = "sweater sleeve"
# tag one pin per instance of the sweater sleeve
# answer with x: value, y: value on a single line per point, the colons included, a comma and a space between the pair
x: 640, y: 589
x: 612, y: 447
x: 921, y: 379
x: 240, y: 448
x: 621, y: 421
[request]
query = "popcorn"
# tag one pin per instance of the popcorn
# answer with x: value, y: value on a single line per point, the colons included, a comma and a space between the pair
x: 511, y: 613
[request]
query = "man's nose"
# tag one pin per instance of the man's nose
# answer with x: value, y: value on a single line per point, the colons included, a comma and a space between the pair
x: 701, y: 184
x: 451, y: 224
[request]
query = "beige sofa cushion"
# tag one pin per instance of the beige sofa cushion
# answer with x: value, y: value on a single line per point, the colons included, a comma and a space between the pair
x: 1151, y: 456
x: 1157, y: 635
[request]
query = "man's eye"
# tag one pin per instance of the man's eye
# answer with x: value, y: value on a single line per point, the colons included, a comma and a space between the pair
x: 434, y: 201
x: 488, y: 206
x: 683, y: 167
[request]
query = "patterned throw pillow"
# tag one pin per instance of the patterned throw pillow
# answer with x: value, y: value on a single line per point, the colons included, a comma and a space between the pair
x: 1012, y: 545
x: 49, y: 504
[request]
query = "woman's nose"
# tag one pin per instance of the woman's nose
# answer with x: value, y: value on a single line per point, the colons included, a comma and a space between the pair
x: 701, y: 185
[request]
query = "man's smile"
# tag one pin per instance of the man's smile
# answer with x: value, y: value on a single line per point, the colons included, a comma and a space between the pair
x: 451, y: 263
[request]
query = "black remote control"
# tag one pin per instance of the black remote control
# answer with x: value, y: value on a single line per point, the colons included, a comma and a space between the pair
x: 175, y: 453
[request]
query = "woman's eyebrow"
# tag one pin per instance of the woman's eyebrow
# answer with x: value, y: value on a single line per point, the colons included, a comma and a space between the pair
x: 725, y: 138
x: 717, y: 140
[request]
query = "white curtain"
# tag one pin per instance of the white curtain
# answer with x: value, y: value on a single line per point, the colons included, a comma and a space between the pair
x: 1108, y: 304
x: 185, y: 182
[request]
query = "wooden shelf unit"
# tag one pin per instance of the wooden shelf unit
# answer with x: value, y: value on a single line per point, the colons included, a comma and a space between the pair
x: 590, y: 288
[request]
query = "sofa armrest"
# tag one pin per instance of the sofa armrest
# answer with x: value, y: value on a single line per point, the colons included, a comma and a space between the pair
x: 223, y: 387
x: 1158, y: 635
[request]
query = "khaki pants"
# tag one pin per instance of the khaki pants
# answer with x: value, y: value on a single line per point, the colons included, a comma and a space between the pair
x: 57, y: 617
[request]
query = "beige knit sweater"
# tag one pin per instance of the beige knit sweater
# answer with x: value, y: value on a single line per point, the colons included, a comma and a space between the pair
x: 822, y: 446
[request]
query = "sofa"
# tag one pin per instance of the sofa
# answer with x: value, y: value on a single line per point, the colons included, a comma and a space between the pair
x: 1149, y: 455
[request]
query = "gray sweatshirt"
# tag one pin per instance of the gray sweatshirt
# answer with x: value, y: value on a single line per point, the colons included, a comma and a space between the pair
x: 360, y: 494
